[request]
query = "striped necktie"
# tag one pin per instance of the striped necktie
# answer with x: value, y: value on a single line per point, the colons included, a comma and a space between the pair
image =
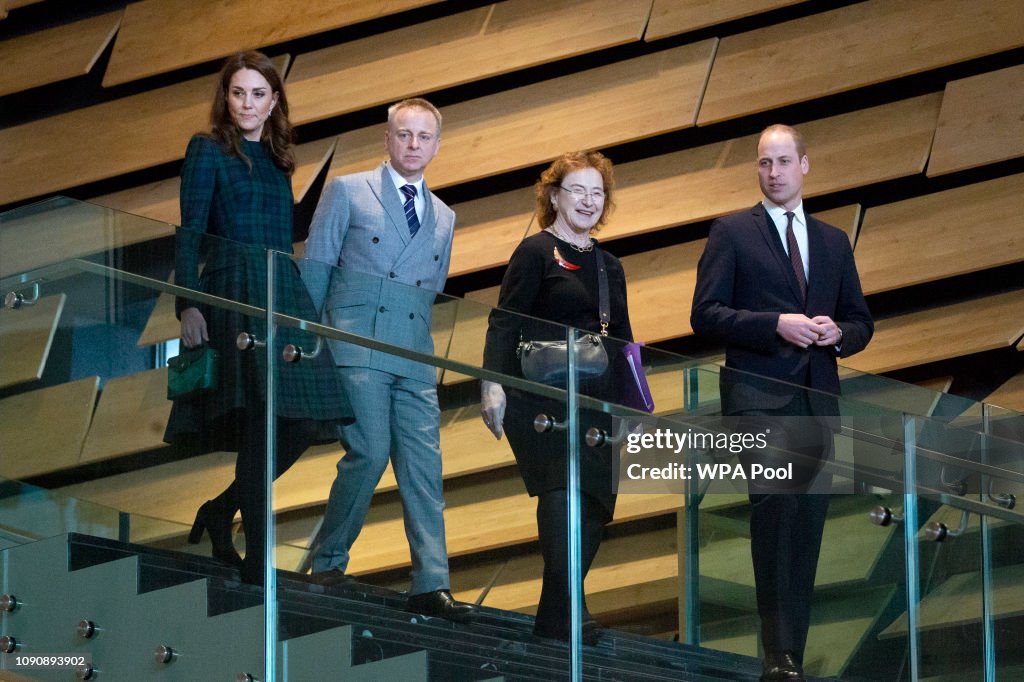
x: 410, y: 208
x: 794, y: 255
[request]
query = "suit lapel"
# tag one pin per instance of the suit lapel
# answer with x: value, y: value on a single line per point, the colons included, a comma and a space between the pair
x: 816, y: 253
x: 429, y: 221
x: 384, y: 189
x: 771, y: 236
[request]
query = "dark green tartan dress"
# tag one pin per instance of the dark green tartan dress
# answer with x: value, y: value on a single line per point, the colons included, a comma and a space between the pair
x: 233, y: 215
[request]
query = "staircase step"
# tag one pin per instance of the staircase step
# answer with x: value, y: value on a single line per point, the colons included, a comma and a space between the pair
x: 157, y: 597
x: 839, y: 625
x: 957, y: 601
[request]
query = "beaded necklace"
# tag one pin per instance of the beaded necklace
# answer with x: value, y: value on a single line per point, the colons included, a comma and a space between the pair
x: 557, y: 232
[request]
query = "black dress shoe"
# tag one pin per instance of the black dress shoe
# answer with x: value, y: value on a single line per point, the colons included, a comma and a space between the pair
x: 591, y: 631
x: 331, y: 577
x: 782, y: 667
x: 252, y: 572
x: 441, y: 604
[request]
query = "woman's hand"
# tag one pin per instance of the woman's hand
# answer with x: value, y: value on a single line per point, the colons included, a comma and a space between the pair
x: 193, y: 328
x: 492, y: 406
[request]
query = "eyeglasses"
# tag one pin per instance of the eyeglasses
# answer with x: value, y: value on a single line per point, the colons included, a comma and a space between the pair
x: 580, y: 193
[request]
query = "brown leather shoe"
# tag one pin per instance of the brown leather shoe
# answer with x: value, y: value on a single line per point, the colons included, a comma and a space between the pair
x: 441, y: 604
x: 781, y: 667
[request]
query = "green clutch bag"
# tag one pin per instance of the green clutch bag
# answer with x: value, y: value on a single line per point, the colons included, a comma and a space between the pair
x: 192, y: 372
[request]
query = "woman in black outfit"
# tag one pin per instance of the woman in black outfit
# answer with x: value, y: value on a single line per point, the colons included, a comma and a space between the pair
x: 236, y: 187
x: 553, y: 276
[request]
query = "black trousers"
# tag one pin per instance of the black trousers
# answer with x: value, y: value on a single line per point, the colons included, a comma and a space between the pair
x: 787, y: 519
x: 785, y: 540
x: 294, y: 437
x: 552, y: 517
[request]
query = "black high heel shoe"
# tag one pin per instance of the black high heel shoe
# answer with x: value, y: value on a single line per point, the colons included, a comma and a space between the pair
x: 216, y: 522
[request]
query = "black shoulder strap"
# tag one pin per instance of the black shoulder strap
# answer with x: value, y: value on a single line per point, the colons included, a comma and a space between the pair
x: 603, y: 307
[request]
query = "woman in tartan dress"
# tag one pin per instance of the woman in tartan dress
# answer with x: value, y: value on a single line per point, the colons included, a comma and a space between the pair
x: 236, y: 204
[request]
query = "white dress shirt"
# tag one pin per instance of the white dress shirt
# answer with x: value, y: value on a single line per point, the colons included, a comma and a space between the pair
x: 419, y: 202
x: 778, y: 215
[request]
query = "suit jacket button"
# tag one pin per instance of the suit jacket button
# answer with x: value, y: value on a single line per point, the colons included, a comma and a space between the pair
x: 392, y: 275
x: 411, y: 316
x: 381, y: 308
x: 418, y: 282
x: 376, y: 240
x: 437, y: 257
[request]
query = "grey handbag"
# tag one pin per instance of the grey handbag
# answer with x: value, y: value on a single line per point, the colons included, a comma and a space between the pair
x: 546, y: 362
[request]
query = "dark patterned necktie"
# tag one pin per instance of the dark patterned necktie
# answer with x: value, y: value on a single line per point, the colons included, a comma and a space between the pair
x: 410, y: 208
x: 794, y: 255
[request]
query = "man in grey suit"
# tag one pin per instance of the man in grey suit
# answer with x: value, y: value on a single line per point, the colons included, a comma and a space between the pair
x: 388, y: 241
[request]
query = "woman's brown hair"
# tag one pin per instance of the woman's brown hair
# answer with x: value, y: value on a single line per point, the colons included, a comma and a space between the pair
x: 551, y: 180
x: 277, y: 135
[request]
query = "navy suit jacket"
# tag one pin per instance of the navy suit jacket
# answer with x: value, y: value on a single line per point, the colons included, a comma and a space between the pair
x: 745, y: 281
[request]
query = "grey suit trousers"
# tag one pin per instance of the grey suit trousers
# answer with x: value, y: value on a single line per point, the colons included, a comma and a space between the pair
x: 397, y: 418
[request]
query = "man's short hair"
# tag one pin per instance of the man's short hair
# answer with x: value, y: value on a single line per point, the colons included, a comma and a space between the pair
x: 415, y: 103
x: 798, y: 139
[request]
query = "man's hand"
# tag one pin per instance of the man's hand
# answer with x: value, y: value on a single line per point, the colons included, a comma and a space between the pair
x: 193, y: 328
x: 801, y: 330
x: 492, y: 406
x: 831, y: 336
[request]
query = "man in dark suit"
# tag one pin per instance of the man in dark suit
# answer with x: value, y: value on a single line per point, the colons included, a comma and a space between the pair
x: 781, y: 291
x: 386, y: 242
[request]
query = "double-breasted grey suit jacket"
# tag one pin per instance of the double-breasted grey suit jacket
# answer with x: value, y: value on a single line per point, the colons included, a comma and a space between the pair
x: 382, y: 281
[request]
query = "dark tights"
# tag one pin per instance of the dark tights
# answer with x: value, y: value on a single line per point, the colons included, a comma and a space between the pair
x: 247, y: 491
x: 552, y: 517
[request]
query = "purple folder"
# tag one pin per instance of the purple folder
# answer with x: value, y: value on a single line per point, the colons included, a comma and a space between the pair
x: 637, y: 393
